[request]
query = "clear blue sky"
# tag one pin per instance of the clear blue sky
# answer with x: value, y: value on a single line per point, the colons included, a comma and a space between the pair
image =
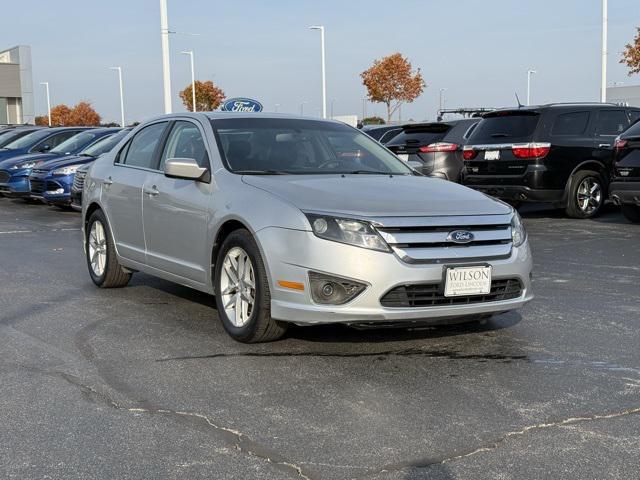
x: 478, y: 50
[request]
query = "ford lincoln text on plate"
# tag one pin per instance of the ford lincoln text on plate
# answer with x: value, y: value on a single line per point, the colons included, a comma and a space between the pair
x: 288, y: 219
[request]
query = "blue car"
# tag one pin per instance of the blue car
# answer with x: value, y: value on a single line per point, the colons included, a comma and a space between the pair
x: 8, y: 135
x: 14, y: 172
x: 52, y: 181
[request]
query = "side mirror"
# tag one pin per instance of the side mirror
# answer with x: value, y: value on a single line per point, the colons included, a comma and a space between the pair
x: 186, y: 168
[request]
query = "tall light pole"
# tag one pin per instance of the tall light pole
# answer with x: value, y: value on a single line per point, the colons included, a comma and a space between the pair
x: 440, y: 102
x: 332, y: 102
x: 324, y: 77
x: 193, y: 79
x: 603, y: 85
x: 530, y: 72
x: 302, y: 108
x: 46, y: 85
x: 166, y: 63
x: 277, y: 105
x: 364, y: 107
x: 119, y: 69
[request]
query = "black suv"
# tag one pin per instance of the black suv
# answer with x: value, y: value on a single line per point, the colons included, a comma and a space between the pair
x: 558, y: 153
x: 433, y: 149
x: 625, y: 184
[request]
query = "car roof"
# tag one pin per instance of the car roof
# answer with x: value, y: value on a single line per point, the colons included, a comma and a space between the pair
x: 554, y: 106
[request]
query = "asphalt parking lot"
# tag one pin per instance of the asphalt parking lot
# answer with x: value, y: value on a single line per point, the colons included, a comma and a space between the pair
x: 143, y: 382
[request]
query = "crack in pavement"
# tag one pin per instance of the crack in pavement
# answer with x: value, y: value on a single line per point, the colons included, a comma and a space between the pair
x: 426, y: 463
x: 235, y: 438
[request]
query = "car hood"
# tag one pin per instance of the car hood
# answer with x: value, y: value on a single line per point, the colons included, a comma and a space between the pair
x: 378, y: 195
x: 66, y: 161
x: 30, y: 157
x: 7, y: 154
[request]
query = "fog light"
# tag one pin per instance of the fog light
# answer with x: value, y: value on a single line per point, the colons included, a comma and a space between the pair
x: 332, y: 290
x: 57, y: 191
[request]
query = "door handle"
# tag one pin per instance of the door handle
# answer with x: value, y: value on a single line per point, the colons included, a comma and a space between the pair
x: 152, y: 192
x: 604, y: 145
x: 108, y: 181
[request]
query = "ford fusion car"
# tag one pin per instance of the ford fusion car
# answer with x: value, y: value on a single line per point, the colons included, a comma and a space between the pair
x: 51, y: 182
x: 19, y: 168
x: 295, y: 220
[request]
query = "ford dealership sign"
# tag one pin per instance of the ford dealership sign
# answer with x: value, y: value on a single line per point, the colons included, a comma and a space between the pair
x: 241, y: 105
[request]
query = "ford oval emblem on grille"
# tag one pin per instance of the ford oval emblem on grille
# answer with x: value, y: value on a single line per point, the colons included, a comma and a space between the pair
x: 460, y: 236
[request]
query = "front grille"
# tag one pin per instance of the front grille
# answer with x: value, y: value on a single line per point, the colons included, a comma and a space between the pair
x: 4, y: 176
x: 431, y: 295
x: 37, y: 185
x: 78, y: 180
x: 427, y: 239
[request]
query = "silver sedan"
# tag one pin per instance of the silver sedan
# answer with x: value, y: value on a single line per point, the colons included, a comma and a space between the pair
x: 298, y: 220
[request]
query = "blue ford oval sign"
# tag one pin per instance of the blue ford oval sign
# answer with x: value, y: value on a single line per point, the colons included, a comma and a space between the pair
x: 241, y: 105
x: 460, y: 236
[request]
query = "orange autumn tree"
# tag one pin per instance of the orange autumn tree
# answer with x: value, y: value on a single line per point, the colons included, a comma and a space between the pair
x: 208, y: 96
x: 393, y: 81
x: 631, y: 54
x: 82, y: 114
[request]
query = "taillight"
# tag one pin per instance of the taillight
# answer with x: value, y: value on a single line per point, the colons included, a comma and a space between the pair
x: 531, y: 150
x: 469, y: 153
x: 439, y: 147
x: 620, y: 143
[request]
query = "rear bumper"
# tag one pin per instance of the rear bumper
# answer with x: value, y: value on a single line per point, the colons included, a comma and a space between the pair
x: 626, y: 193
x: 520, y: 193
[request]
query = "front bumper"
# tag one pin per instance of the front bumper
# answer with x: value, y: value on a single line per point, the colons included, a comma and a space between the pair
x: 16, y: 186
x: 291, y: 254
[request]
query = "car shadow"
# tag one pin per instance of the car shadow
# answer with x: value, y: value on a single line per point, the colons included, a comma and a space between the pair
x: 610, y: 213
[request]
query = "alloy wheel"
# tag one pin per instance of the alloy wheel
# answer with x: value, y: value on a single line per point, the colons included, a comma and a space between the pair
x: 237, y: 286
x: 97, y: 248
x: 589, y: 195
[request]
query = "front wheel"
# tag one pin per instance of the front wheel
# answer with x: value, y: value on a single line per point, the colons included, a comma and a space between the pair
x: 104, y: 268
x: 586, y: 195
x: 242, y: 291
x: 631, y: 213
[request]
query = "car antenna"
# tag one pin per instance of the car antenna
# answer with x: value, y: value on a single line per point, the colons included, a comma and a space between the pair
x: 518, y: 100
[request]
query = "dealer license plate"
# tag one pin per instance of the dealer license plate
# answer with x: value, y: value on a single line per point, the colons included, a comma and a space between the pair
x: 492, y: 155
x: 404, y: 157
x: 460, y: 281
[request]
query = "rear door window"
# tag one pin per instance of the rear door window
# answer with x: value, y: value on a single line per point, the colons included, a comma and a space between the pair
x: 505, y: 127
x: 573, y: 123
x: 140, y: 151
x: 611, y: 122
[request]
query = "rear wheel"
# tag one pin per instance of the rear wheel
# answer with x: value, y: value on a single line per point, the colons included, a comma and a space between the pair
x: 631, y: 213
x: 104, y: 268
x: 242, y: 291
x: 586, y: 195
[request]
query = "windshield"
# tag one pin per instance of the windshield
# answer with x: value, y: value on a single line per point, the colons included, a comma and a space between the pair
x: 8, y: 136
x: 105, y: 144
x: 505, y: 127
x: 75, y: 143
x: 298, y: 147
x: 28, y: 140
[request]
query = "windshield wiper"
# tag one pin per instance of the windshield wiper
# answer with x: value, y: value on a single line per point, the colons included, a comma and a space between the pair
x: 86, y: 155
x: 370, y: 172
x: 260, y: 172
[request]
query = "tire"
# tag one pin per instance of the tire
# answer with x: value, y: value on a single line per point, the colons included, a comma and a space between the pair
x: 586, y: 195
x: 240, y: 253
x: 108, y: 273
x: 631, y: 213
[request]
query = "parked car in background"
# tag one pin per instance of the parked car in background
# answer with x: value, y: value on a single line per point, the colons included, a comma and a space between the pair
x: 558, y: 153
x: 19, y: 168
x: 216, y: 201
x: 378, y: 131
x: 51, y: 182
x: 434, y: 149
x: 625, y: 177
x: 9, y: 134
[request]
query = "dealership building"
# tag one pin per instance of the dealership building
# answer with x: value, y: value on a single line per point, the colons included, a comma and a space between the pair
x: 16, y: 86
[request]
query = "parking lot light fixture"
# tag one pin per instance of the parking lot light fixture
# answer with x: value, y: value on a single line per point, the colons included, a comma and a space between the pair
x: 46, y: 86
x: 530, y: 72
x: 193, y: 79
x: 324, y: 77
x: 166, y: 62
x: 605, y: 21
x: 119, y: 69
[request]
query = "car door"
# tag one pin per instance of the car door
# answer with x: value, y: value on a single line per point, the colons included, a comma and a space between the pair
x: 610, y: 123
x: 175, y: 210
x: 122, y: 189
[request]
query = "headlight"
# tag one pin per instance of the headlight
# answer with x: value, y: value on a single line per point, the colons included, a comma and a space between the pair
x: 33, y: 163
x: 66, y: 170
x: 518, y: 232
x: 345, y: 230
